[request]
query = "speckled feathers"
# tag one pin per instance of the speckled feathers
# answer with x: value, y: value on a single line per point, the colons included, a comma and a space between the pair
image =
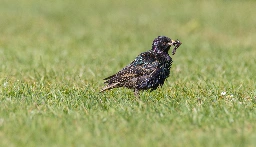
x: 149, y: 69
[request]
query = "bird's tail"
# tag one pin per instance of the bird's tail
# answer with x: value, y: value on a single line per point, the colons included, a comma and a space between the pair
x: 109, y: 86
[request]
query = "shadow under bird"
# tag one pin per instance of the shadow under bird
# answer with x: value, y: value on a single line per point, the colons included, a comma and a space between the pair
x: 149, y: 70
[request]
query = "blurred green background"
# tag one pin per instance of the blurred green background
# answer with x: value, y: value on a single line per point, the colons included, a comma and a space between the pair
x: 54, y: 55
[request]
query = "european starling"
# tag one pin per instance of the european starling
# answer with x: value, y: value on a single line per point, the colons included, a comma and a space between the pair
x: 149, y: 69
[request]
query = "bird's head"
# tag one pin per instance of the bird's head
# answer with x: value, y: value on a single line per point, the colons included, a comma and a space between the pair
x: 163, y: 44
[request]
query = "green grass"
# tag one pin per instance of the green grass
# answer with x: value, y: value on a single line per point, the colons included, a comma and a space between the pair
x: 54, y: 55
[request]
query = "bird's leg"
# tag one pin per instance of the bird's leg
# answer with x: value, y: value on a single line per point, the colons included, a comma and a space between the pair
x: 136, y: 93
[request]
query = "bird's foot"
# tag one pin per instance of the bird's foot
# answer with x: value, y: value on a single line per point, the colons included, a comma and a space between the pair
x: 136, y: 93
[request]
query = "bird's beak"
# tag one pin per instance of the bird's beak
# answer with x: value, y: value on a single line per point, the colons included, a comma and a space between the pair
x: 171, y: 43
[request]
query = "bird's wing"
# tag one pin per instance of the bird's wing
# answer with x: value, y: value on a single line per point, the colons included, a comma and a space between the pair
x: 144, y: 64
x: 136, y: 75
x: 155, y: 70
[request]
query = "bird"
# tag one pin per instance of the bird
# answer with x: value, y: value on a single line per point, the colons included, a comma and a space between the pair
x: 148, y: 70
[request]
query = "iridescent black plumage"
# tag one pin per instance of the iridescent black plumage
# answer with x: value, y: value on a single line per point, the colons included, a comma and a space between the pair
x: 149, y: 69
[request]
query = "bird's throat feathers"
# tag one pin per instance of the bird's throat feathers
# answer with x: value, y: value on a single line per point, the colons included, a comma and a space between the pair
x: 160, y: 51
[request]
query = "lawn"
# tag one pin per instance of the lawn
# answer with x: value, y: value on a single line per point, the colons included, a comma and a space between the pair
x: 54, y: 56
